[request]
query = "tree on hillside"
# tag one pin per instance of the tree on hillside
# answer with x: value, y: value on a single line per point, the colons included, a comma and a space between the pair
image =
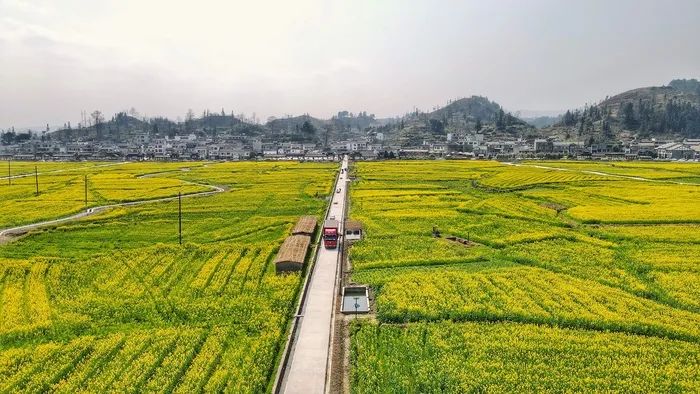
x: 436, y: 126
x: 569, y: 119
x: 478, y: 125
x: 189, y: 119
x: 8, y: 137
x: 308, y: 129
x: 500, y: 120
x: 97, y: 120
x: 628, y: 117
x: 607, y: 131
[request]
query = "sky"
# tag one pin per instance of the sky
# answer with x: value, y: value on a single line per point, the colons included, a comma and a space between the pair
x: 278, y: 58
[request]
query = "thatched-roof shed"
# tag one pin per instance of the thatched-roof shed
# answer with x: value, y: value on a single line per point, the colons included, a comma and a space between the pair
x: 306, y: 225
x: 292, y: 254
x: 353, y: 225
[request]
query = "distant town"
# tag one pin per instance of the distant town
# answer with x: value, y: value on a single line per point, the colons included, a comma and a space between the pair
x: 650, y: 123
x: 367, y: 145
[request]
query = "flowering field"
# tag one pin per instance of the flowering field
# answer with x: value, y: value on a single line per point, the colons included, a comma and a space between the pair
x: 509, y: 357
x: 112, y: 303
x: 574, y: 280
x: 62, y: 191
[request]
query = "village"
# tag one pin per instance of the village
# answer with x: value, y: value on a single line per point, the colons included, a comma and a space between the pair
x: 367, y: 145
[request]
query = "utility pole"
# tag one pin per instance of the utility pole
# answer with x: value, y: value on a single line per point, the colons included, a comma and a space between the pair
x: 85, y: 178
x: 179, y: 215
x: 36, y: 180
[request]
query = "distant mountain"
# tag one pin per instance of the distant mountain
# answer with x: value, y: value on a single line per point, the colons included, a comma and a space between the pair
x: 118, y: 127
x: 471, y: 114
x: 671, y: 111
x: 469, y: 110
x: 122, y: 127
x: 478, y: 113
x: 476, y: 107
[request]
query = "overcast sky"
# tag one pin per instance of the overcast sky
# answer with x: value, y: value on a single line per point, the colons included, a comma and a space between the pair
x: 58, y: 57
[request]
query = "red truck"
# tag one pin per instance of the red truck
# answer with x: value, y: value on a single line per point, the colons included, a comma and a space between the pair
x: 330, y: 234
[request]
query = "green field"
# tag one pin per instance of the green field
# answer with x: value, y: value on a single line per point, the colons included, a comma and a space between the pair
x: 579, y: 278
x: 112, y: 302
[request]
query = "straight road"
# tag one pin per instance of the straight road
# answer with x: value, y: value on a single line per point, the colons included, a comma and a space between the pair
x: 310, y: 355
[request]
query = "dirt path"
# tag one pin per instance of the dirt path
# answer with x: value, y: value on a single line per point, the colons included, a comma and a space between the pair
x: 9, y: 234
x: 631, y: 177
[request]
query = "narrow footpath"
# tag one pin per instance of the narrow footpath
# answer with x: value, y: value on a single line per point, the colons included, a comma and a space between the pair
x: 6, y: 234
x: 601, y: 173
x: 307, y: 371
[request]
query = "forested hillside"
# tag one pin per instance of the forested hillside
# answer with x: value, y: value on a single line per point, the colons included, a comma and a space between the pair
x: 658, y: 111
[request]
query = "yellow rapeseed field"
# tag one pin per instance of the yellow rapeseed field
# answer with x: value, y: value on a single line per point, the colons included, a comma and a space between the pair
x: 577, y: 277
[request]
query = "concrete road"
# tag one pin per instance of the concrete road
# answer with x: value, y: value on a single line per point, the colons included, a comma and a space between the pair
x: 310, y: 356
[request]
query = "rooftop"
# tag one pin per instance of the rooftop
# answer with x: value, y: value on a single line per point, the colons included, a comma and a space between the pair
x: 293, y: 249
x: 305, y: 225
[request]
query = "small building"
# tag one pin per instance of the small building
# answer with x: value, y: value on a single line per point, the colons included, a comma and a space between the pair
x: 292, y: 253
x: 355, y: 299
x: 306, y: 225
x: 353, y: 230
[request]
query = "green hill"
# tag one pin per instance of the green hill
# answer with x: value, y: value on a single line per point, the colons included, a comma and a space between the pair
x: 671, y: 111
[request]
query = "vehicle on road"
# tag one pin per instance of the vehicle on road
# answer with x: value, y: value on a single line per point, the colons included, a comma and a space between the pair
x: 330, y: 234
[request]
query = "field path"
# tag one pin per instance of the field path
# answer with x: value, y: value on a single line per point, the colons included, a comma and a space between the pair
x: 631, y: 177
x: 8, y: 234
x: 307, y: 370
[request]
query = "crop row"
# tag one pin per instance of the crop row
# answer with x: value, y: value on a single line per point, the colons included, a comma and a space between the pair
x: 528, y: 295
x: 219, y: 358
x: 451, y: 357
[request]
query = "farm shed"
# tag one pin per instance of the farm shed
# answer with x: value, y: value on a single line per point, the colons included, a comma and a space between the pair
x: 292, y: 254
x: 353, y: 230
x: 306, y: 225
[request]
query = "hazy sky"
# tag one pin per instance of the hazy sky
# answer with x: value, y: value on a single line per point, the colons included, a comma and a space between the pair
x: 58, y: 57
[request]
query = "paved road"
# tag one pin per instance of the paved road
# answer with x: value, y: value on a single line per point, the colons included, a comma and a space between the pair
x: 309, y: 360
x: 6, y: 233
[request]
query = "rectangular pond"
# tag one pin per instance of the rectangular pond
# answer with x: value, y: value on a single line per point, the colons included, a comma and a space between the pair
x: 355, y: 299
